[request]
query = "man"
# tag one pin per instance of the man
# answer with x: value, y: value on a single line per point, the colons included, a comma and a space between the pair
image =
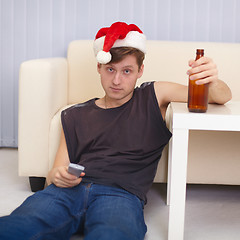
x: 118, y: 138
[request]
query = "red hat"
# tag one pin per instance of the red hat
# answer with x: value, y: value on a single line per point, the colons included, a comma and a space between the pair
x: 119, y: 34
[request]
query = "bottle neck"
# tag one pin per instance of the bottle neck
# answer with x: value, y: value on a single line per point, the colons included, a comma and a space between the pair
x: 199, y: 53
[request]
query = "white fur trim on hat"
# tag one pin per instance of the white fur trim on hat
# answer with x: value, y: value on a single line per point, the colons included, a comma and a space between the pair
x: 133, y: 39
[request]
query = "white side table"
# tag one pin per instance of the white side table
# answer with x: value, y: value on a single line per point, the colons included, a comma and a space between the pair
x: 219, y: 118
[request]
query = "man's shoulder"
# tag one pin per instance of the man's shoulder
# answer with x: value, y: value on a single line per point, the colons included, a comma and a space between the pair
x: 144, y: 88
x: 78, y: 107
x: 84, y: 104
x: 146, y: 84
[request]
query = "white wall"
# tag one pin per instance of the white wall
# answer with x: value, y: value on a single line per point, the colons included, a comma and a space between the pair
x: 43, y: 28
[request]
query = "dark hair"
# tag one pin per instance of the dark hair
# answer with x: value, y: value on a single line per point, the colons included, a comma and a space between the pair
x: 120, y: 53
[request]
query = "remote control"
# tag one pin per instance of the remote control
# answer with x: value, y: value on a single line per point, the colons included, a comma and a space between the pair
x: 75, y: 169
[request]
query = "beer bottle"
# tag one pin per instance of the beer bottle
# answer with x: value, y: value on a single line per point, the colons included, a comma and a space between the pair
x: 197, y: 94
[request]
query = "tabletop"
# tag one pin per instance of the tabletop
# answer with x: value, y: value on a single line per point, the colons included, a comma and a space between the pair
x: 218, y: 117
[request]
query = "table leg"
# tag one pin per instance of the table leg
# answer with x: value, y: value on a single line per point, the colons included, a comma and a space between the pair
x: 169, y: 171
x: 177, y: 183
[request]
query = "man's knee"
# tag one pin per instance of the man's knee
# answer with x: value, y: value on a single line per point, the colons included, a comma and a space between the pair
x: 119, y: 215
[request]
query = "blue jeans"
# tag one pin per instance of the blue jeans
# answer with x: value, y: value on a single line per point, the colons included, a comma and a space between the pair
x: 100, y: 212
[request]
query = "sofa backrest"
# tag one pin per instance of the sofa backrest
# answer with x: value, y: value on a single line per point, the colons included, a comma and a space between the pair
x: 165, y: 61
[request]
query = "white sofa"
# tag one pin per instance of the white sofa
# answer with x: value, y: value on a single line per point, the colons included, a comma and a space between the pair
x: 48, y: 85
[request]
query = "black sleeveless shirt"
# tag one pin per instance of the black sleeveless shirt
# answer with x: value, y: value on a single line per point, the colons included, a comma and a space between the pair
x: 119, y: 146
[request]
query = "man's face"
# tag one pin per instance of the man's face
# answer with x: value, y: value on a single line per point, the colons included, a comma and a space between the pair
x: 119, y: 79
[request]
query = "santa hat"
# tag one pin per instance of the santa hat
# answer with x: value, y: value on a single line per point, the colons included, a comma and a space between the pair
x: 119, y: 34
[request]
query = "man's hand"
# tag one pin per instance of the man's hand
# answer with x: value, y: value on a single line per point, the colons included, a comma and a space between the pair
x: 60, y: 177
x: 204, y: 69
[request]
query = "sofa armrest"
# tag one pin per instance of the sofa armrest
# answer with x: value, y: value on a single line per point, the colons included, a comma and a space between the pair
x: 43, y: 87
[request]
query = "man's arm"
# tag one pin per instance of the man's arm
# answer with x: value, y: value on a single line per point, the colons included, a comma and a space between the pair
x: 203, y: 69
x: 59, y: 175
x: 219, y: 92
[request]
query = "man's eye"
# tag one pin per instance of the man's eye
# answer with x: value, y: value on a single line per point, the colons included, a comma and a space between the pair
x: 127, y: 71
x: 110, y: 70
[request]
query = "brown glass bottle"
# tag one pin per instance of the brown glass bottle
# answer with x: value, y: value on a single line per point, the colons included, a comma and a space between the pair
x: 197, y: 94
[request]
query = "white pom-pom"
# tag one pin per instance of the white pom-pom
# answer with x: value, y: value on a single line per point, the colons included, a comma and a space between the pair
x: 104, y: 57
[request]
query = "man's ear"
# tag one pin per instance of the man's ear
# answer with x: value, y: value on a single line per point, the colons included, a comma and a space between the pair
x: 140, y: 72
x: 99, y: 67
